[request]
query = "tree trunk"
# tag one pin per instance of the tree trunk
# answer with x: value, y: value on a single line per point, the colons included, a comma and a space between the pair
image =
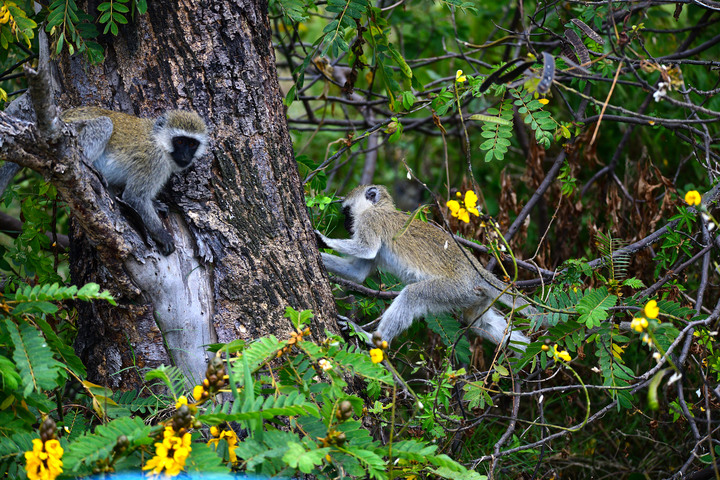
x: 245, y: 246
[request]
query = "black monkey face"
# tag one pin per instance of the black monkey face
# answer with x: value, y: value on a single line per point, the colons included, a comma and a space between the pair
x: 184, y: 149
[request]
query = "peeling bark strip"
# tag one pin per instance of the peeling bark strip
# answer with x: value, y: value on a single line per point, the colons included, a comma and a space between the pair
x: 246, y: 249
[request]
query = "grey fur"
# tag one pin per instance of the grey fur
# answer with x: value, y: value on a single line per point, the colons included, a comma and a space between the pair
x: 439, y: 276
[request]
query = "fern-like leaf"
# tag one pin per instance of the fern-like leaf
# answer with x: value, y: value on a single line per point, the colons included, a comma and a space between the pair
x: 265, y: 408
x: 91, y: 447
x: 259, y: 352
x: 618, y: 264
x: 172, y: 377
x: 540, y: 121
x: 12, y: 449
x: 34, y: 358
x: 497, y: 131
x: 204, y: 459
x: 593, y: 307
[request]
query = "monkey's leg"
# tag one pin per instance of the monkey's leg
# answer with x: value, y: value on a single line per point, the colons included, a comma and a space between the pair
x: 143, y: 205
x: 421, y: 298
x: 493, y: 326
x: 354, y: 269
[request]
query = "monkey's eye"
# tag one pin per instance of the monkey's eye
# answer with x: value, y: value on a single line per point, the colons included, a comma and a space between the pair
x: 185, y: 142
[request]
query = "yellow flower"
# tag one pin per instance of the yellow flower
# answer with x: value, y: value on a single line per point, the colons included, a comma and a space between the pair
x: 229, y: 436
x: 651, y: 309
x: 459, y: 77
x: 693, y: 197
x: 463, y: 215
x: 561, y: 354
x: 182, y: 400
x: 325, y: 365
x: 639, y: 324
x: 44, y: 462
x: 376, y: 355
x: 197, y: 392
x: 544, y: 101
x: 471, y: 203
x: 171, y: 454
x: 462, y: 210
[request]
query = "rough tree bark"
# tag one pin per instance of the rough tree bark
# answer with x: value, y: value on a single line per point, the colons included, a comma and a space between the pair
x: 245, y: 246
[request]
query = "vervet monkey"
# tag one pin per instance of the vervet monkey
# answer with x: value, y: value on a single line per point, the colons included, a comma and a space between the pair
x: 140, y: 154
x: 438, y: 274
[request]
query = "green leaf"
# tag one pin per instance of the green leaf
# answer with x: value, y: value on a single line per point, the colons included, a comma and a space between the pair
x: 304, y: 460
x: 491, y: 119
x: 10, y: 377
x: 34, y: 358
x: 593, y: 307
x: 89, y: 448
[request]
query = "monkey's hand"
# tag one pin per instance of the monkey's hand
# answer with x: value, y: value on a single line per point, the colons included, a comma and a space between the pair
x: 347, y: 324
x: 320, y: 240
x: 164, y: 241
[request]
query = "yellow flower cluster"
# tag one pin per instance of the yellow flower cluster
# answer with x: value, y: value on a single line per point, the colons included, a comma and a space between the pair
x: 650, y: 310
x: 44, y: 461
x: 463, y: 209
x: 693, y: 197
x: 376, y: 355
x: 229, y: 436
x: 460, y: 77
x: 170, y: 454
x: 198, y: 391
x: 561, y: 354
x: 182, y: 400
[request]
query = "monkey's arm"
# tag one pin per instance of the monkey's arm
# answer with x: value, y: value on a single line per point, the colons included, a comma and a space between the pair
x: 143, y: 205
x: 358, y: 246
x: 351, y: 268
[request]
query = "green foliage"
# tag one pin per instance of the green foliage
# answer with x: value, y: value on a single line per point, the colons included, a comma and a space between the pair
x: 30, y: 255
x: 497, y: 130
x: 294, y: 10
x: 614, y: 371
x: 15, y: 25
x: 347, y: 13
x: 569, y: 183
x: 70, y: 27
x: 593, y: 307
x: 33, y: 357
x: 73, y: 28
x: 452, y: 334
x: 617, y: 264
x: 12, y: 447
x: 115, y: 12
x: 311, y: 171
x: 171, y: 377
x: 91, y: 447
x: 38, y: 299
x: 540, y: 121
x: 36, y: 360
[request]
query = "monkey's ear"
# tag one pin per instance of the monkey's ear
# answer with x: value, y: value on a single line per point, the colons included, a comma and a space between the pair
x: 372, y: 195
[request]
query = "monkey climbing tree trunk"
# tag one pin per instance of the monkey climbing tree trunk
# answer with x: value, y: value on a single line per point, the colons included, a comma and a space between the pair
x: 245, y: 246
